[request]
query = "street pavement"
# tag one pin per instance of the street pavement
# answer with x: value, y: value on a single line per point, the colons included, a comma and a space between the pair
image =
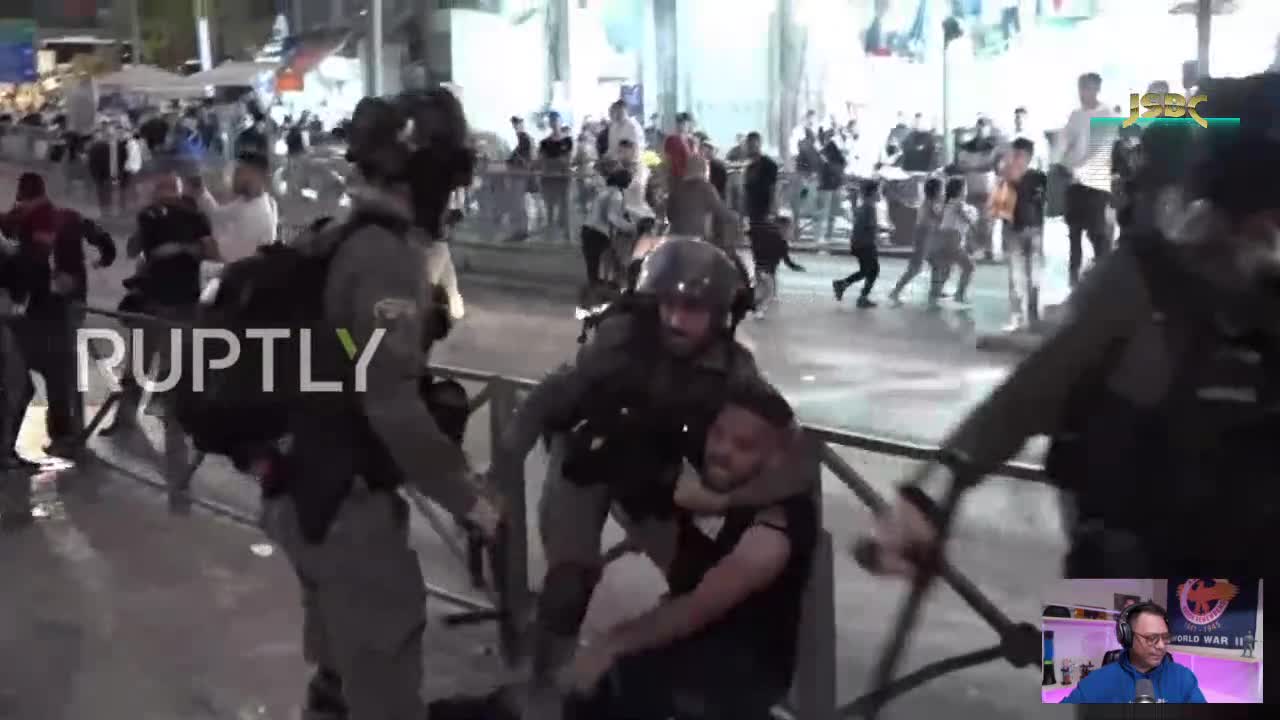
x: 111, y: 593
x: 900, y: 372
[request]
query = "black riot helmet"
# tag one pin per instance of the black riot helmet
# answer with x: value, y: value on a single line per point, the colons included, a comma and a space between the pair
x: 1219, y: 201
x: 419, y: 139
x: 693, y: 270
x: 1236, y: 169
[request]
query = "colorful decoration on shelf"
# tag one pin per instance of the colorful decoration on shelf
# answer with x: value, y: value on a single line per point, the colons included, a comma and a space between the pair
x: 1065, y: 666
x: 1048, y: 679
x: 1085, y: 669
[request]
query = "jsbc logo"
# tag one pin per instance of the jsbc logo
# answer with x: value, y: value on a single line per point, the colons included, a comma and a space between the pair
x: 1170, y: 105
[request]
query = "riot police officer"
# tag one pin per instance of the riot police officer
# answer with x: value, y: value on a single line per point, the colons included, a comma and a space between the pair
x: 334, y: 507
x: 624, y: 417
x: 1160, y: 390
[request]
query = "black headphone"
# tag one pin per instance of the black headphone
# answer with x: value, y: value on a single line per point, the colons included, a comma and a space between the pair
x: 1124, y: 630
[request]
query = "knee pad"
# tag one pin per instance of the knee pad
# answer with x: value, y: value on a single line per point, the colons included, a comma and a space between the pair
x: 566, y: 593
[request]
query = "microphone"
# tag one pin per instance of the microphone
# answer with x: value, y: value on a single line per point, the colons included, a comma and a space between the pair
x: 1145, y: 692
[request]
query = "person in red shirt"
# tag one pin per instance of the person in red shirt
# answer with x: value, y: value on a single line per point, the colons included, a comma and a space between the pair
x: 52, y: 278
x: 679, y: 147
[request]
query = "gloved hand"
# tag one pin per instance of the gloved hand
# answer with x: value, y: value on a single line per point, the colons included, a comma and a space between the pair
x: 903, y: 538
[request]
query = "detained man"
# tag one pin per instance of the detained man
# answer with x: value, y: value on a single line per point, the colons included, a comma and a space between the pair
x: 723, y: 643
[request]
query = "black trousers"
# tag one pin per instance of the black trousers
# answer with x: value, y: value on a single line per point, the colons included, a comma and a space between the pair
x: 1086, y: 214
x: 595, y: 245
x: 47, y: 338
x: 868, y: 256
x: 555, y: 193
x: 15, y: 389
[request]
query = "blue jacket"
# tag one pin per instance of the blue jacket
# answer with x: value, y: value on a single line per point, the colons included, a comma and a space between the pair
x: 1117, y: 682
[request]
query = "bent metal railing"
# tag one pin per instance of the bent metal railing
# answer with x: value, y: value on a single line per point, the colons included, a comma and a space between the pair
x: 813, y: 694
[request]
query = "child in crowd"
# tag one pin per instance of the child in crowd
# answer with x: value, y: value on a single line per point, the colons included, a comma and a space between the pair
x: 864, y: 244
x: 770, y: 246
x: 927, y: 221
x: 951, y: 243
x: 1019, y: 203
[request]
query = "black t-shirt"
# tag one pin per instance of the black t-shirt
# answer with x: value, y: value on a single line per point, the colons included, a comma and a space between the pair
x: 919, y: 152
x: 766, y: 624
x: 555, y: 149
x: 294, y: 142
x: 602, y: 142
x: 154, y: 132
x: 523, y: 154
x: 173, y: 280
x: 1028, y: 208
x: 831, y: 176
x: 100, y: 160
x: 253, y: 140
x: 759, y: 183
x: 719, y: 173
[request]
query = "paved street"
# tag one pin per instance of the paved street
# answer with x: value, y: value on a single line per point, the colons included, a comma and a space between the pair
x: 188, y: 616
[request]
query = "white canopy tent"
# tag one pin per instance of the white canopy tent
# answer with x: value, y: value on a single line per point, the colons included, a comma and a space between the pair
x: 233, y: 73
x: 148, y: 80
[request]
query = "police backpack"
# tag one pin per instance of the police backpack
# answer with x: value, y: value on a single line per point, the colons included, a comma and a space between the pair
x: 233, y: 410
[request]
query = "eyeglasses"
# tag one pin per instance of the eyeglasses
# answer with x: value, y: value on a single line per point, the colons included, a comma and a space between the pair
x: 1153, y: 639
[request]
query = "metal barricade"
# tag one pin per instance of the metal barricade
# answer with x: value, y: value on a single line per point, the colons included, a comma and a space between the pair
x: 814, y: 685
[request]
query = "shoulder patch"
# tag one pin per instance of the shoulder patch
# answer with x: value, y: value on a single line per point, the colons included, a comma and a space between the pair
x: 394, y: 309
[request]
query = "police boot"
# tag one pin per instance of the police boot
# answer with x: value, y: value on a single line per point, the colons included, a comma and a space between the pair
x: 324, y: 697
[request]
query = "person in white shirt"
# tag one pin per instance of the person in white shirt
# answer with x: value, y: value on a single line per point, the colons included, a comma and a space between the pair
x: 637, y: 202
x: 1089, y: 195
x: 247, y: 221
x: 606, y: 219
x: 623, y: 127
x: 1022, y: 129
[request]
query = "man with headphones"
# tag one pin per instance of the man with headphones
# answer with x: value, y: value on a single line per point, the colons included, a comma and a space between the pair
x: 1143, y: 632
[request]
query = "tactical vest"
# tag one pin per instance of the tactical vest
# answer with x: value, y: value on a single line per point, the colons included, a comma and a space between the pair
x: 634, y: 431
x: 1188, y: 482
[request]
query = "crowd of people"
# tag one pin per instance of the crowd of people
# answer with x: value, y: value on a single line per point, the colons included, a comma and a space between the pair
x: 991, y: 200
x: 189, y: 138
